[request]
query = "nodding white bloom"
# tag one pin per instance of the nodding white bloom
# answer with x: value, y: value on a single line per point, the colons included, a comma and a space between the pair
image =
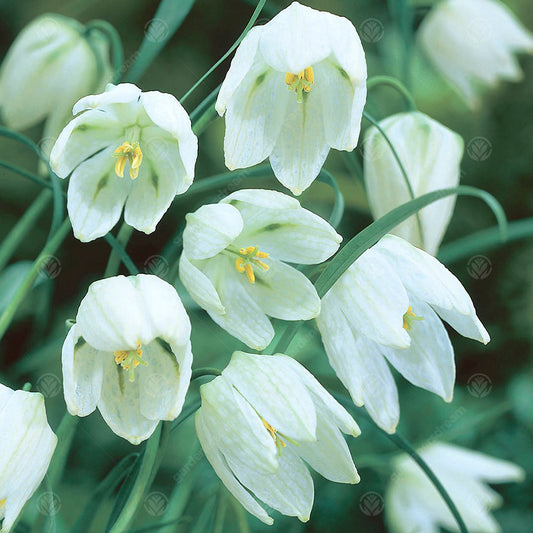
x: 123, y: 128
x: 129, y: 354
x: 412, y: 503
x: 259, y: 419
x: 52, y: 63
x: 472, y: 44
x: 388, y: 306
x: 431, y: 156
x: 233, y: 261
x: 296, y: 88
x: 26, y: 447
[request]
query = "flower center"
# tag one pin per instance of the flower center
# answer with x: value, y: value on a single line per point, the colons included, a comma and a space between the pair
x: 274, y: 434
x: 300, y: 83
x: 409, y: 317
x: 129, y: 360
x: 248, y: 257
x: 128, y: 152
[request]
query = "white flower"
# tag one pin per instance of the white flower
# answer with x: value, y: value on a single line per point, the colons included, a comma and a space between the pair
x: 472, y: 44
x: 129, y: 354
x: 412, y: 503
x: 123, y: 127
x: 51, y: 64
x: 259, y: 419
x: 431, y: 156
x: 386, y: 307
x: 233, y: 261
x: 296, y: 88
x: 26, y: 447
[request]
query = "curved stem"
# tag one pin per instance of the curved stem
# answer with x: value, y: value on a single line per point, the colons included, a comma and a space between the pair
x: 396, y: 84
x: 116, y: 45
x: 206, y: 371
x: 51, y: 246
x: 255, y: 16
x: 26, y: 174
x: 113, y: 263
x: 205, y: 112
x: 23, y: 227
x: 141, y: 484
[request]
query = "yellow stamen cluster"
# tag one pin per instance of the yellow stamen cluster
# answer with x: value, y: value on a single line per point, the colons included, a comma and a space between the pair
x: 128, y: 152
x: 129, y: 360
x: 300, y: 83
x: 248, y: 257
x: 409, y: 317
x: 274, y: 434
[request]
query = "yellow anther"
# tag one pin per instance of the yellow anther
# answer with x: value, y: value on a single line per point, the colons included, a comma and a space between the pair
x: 129, y: 360
x: 128, y: 152
x: 2, y: 503
x: 301, y: 82
x: 249, y: 257
x: 274, y: 434
x: 409, y: 317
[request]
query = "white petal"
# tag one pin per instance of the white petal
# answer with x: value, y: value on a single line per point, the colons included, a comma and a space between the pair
x: 261, y: 198
x: 210, y: 230
x: 275, y: 391
x: 96, y: 196
x: 120, y: 404
x: 255, y: 116
x: 209, y: 444
x: 243, y: 318
x: 430, y: 281
x: 123, y: 93
x: 301, y: 148
x: 110, y: 317
x: 168, y: 114
x: 199, y: 286
x: 429, y: 361
x: 82, y: 137
x: 283, y: 292
x: 240, y: 65
x: 82, y: 373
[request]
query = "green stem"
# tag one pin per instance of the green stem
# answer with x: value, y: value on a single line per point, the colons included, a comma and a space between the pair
x: 205, y: 112
x: 203, y: 372
x: 255, y: 16
x: 113, y: 262
x: 50, y: 248
x: 396, y: 84
x: 116, y: 45
x: 23, y: 227
x: 27, y: 387
x: 65, y: 434
x: 185, y: 415
x: 126, y: 259
x: 140, y: 486
x: 26, y: 174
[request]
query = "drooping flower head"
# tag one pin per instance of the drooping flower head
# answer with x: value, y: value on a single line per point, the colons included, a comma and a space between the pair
x: 259, y: 419
x: 412, y: 503
x: 295, y: 89
x: 26, y: 447
x: 472, y: 44
x: 431, y: 156
x: 125, y: 148
x: 233, y: 261
x: 388, y: 306
x: 129, y: 354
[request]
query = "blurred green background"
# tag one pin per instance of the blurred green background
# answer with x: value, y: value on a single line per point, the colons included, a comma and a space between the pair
x: 492, y: 409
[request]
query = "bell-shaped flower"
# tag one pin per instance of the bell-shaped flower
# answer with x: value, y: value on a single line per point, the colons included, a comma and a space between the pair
x: 52, y: 63
x: 431, y: 156
x: 145, y: 135
x: 412, y: 503
x: 387, y: 307
x: 296, y: 88
x: 26, y: 447
x: 472, y: 43
x: 129, y: 355
x: 259, y: 419
x: 233, y: 261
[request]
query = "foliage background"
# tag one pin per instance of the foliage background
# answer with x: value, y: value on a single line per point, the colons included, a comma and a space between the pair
x: 491, y: 410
